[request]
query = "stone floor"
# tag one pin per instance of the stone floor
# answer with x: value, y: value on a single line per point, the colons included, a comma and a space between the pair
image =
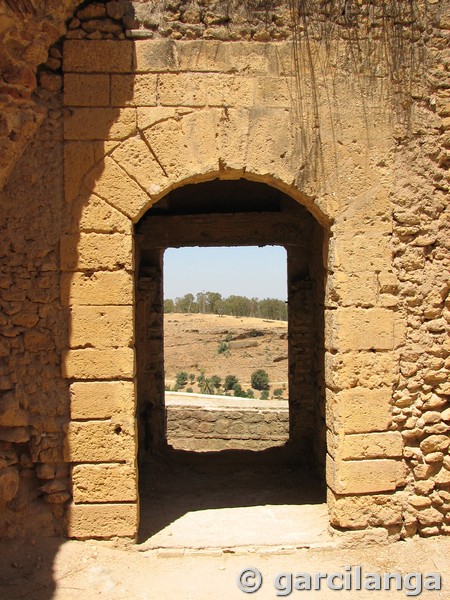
x: 201, y: 502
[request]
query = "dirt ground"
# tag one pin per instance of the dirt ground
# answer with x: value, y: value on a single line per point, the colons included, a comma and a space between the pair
x: 194, y: 544
x: 191, y: 343
x: 69, y: 570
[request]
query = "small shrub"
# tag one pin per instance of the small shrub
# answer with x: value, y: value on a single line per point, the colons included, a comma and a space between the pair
x: 189, y: 390
x: 207, y: 387
x: 201, y: 377
x: 181, y: 379
x: 264, y: 395
x: 238, y: 391
x: 175, y: 388
x: 278, y: 393
x: 223, y: 348
x: 216, y: 381
x: 250, y: 393
x: 260, y: 380
x: 191, y: 377
x: 230, y: 382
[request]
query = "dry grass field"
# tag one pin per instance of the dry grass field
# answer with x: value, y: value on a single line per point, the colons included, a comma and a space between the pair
x: 192, y: 341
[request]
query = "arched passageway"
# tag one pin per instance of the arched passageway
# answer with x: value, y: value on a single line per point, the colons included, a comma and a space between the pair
x: 231, y: 213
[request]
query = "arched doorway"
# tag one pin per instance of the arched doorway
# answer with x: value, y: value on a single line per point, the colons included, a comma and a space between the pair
x: 234, y: 213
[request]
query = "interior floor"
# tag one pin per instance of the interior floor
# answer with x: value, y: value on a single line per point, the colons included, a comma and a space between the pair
x: 205, y: 501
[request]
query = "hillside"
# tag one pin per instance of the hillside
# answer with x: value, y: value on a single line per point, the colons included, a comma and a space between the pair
x: 192, y: 341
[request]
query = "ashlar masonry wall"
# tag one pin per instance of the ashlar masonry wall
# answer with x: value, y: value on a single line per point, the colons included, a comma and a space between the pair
x: 167, y: 113
x: 124, y: 121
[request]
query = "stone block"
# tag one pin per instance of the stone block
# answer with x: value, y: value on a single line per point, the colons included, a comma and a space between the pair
x: 361, y: 252
x: 92, y: 364
x: 104, y: 483
x: 133, y: 90
x: 275, y: 91
x: 152, y: 56
x: 184, y: 89
x: 371, y: 445
x: 359, y: 369
x: 135, y: 157
x: 99, y: 124
x: 97, y: 56
x: 114, y: 185
x: 9, y: 484
x: 364, y: 476
x: 86, y: 90
x: 270, y: 152
x: 102, y: 399
x: 359, y: 512
x: 251, y: 58
x: 359, y: 410
x: 98, y: 288
x: 194, y: 138
x: 101, y: 327
x: 352, y: 289
x: 96, y: 251
x: 204, y: 56
x: 87, y: 521
x: 92, y: 214
x: 229, y: 90
x: 348, y: 329
x: 79, y: 158
x: 100, y: 441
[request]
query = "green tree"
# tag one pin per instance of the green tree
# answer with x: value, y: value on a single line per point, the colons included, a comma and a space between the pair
x: 216, y: 381
x: 181, y: 379
x: 230, y: 382
x: 207, y: 386
x: 169, y: 305
x: 238, y: 391
x: 264, y: 395
x: 260, y: 380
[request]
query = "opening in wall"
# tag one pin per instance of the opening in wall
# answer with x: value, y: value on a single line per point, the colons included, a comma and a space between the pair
x: 226, y: 350
x: 213, y: 453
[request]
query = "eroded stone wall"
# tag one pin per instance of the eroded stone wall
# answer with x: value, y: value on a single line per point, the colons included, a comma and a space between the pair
x: 204, y: 424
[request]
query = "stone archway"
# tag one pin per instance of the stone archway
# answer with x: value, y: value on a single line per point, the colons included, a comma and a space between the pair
x: 119, y: 161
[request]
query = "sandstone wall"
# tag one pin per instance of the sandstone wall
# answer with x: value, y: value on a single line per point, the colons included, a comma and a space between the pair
x: 362, y: 142
x: 214, y: 424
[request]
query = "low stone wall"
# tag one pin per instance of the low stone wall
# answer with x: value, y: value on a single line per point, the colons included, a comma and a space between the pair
x: 211, y: 423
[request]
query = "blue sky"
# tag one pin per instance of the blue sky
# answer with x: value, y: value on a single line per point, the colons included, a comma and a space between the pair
x: 246, y: 271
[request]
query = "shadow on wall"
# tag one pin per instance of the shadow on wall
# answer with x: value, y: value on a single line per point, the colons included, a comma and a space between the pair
x: 45, y: 218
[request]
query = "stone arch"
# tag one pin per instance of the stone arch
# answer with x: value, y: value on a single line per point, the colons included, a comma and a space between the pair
x: 119, y: 161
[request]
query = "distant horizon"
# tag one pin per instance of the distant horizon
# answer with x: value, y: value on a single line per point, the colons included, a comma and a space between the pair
x: 251, y: 271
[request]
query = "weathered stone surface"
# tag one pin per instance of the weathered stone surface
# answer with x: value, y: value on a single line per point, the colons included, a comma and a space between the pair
x: 9, y: 484
x: 360, y: 410
x: 89, y: 363
x: 87, y: 124
x: 100, y: 441
x: 358, y: 512
x: 101, y: 327
x: 365, y: 476
x: 104, y: 483
x: 96, y: 251
x: 86, y: 90
x: 97, y: 56
x: 371, y: 445
x: 114, y: 185
x: 102, y: 520
x: 98, y: 288
x: 134, y: 90
x: 102, y: 399
x: 349, y: 329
